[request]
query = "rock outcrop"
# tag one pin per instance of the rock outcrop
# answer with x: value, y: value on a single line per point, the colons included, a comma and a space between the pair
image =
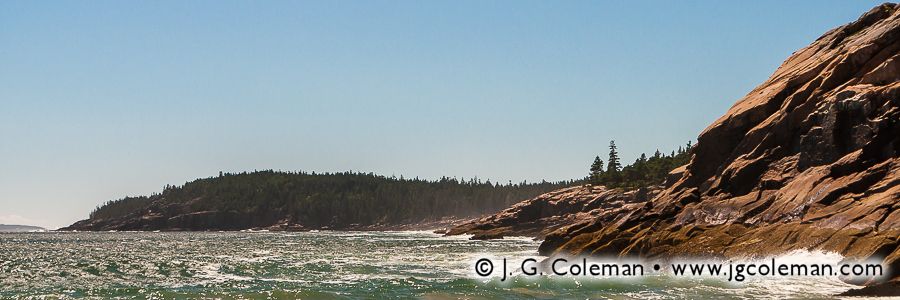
x: 810, y: 159
x: 159, y: 219
x: 807, y: 160
x: 543, y: 214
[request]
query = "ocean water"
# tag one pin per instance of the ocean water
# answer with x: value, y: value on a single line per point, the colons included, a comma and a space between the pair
x: 321, y: 265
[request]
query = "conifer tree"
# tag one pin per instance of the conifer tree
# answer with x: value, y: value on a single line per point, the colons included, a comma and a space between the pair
x: 645, y: 171
x: 596, y: 169
x: 612, y: 176
x: 613, y: 166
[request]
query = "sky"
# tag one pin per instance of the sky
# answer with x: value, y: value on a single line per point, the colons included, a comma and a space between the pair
x: 105, y: 99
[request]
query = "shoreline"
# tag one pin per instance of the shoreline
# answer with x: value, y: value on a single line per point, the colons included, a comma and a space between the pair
x: 437, y: 226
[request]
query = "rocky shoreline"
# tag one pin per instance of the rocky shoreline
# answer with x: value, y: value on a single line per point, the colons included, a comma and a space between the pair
x: 810, y: 159
x: 542, y: 215
x: 436, y: 225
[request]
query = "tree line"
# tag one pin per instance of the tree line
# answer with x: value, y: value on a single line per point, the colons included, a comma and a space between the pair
x: 644, y: 171
x: 353, y: 198
x: 331, y: 199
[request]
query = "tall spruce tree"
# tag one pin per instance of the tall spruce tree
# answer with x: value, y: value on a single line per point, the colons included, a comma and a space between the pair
x: 612, y: 176
x: 613, y: 165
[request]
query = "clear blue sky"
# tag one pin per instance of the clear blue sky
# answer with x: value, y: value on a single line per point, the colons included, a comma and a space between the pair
x: 103, y: 99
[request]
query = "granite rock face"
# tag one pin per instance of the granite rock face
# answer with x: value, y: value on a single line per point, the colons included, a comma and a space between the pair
x: 807, y: 160
x: 541, y: 215
x: 148, y: 220
x: 810, y: 159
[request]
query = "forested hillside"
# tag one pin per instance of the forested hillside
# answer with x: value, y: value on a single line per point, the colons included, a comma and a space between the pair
x: 307, y: 200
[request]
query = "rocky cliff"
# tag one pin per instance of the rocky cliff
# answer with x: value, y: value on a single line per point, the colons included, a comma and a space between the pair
x: 810, y: 159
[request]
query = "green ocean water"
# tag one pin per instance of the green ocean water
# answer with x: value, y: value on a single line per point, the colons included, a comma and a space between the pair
x: 319, y: 265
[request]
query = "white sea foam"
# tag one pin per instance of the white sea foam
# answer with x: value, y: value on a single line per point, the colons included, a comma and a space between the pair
x: 353, y: 264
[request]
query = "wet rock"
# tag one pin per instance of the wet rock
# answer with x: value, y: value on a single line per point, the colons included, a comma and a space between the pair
x: 888, y: 289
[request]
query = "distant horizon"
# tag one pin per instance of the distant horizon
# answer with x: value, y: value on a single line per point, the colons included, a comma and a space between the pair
x: 22, y: 225
x: 108, y: 99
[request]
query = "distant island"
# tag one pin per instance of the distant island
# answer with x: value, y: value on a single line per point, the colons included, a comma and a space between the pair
x: 19, y: 228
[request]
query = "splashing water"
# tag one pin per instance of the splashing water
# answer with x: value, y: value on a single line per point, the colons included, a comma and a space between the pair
x: 323, y: 265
